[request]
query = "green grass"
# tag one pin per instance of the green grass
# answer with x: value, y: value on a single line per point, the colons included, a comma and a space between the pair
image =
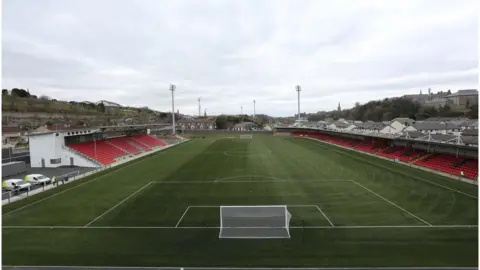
x: 351, y: 189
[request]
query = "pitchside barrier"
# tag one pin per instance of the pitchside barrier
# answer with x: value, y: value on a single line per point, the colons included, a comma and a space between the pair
x: 15, y: 195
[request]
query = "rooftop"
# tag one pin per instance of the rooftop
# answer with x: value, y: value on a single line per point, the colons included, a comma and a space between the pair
x: 466, y: 92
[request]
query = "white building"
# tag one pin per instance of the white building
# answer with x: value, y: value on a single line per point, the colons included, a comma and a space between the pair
x: 369, y: 127
x: 430, y: 127
x: 49, y: 150
x: 341, y: 126
x: 393, y: 127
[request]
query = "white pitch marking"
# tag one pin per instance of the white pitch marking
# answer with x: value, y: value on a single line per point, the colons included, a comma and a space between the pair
x: 217, y: 227
x: 117, y: 204
x: 241, y: 181
x: 186, y: 210
x: 380, y: 196
x: 63, y: 267
x: 251, y: 176
x: 329, y: 221
x: 288, y: 205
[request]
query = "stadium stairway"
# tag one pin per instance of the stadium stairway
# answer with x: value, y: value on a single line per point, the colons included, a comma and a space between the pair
x: 150, y: 141
x: 124, y: 144
x: 141, y: 144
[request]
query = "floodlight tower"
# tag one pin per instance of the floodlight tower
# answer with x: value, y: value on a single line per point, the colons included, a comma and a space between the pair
x: 172, y: 88
x: 298, y: 91
x: 254, y: 110
x: 199, y: 108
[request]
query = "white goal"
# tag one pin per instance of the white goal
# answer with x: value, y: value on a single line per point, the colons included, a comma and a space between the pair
x: 266, y: 221
x: 246, y: 136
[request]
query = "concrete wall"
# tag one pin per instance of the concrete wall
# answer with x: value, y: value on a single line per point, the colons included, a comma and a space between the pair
x: 9, y: 155
x: 50, y: 146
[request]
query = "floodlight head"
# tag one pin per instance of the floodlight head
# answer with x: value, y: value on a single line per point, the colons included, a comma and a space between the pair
x: 298, y: 88
x: 172, y: 87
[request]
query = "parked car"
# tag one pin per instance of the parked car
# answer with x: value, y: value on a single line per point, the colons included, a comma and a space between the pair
x: 38, y: 179
x: 15, y: 184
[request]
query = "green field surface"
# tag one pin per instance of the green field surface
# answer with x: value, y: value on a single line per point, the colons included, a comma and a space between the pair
x: 348, y: 210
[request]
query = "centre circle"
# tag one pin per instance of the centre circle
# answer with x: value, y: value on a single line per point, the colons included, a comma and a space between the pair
x: 245, y: 153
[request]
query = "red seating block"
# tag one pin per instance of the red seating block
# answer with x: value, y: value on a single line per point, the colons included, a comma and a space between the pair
x: 100, y: 151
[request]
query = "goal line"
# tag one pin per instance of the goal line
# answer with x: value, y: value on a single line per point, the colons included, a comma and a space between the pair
x: 218, y: 227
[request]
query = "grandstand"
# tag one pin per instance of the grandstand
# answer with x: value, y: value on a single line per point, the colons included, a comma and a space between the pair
x: 453, y: 160
x: 92, y: 147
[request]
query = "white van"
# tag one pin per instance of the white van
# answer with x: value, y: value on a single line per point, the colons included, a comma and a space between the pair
x: 37, y: 179
x: 15, y: 184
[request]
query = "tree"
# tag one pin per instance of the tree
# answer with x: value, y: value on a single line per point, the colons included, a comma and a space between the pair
x: 4, y: 92
x: 473, y: 112
x: 101, y: 107
x: 378, y: 110
x: 221, y: 122
x: 21, y: 93
x: 163, y: 115
x: 44, y: 97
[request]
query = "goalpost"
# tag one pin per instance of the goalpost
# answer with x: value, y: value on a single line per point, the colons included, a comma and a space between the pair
x: 268, y: 221
x: 246, y: 136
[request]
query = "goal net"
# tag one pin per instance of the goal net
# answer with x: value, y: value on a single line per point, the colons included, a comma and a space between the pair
x: 245, y: 136
x: 271, y: 221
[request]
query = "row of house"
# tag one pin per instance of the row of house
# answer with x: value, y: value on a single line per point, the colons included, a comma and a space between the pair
x: 446, y: 126
x: 195, y: 123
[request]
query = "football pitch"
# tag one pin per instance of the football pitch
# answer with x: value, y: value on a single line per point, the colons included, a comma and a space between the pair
x: 348, y: 210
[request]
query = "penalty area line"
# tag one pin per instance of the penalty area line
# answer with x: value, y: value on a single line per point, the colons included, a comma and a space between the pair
x: 180, y: 220
x: 329, y: 221
x: 115, y: 206
x: 217, y: 227
x: 392, y: 203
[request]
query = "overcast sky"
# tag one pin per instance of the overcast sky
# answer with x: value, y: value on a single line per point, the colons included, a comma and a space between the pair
x: 230, y: 53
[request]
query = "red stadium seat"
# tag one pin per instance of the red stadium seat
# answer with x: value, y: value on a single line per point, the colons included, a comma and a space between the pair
x: 100, y: 151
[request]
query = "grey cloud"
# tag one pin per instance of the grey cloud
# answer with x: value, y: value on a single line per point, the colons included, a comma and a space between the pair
x: 230, y: 53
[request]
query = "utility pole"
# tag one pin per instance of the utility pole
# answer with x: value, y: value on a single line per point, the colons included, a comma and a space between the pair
x: 172, y: 88
x: 254, y: 110
x: 298, y: 91
x: 241, y: 113
x: 199, y: 108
